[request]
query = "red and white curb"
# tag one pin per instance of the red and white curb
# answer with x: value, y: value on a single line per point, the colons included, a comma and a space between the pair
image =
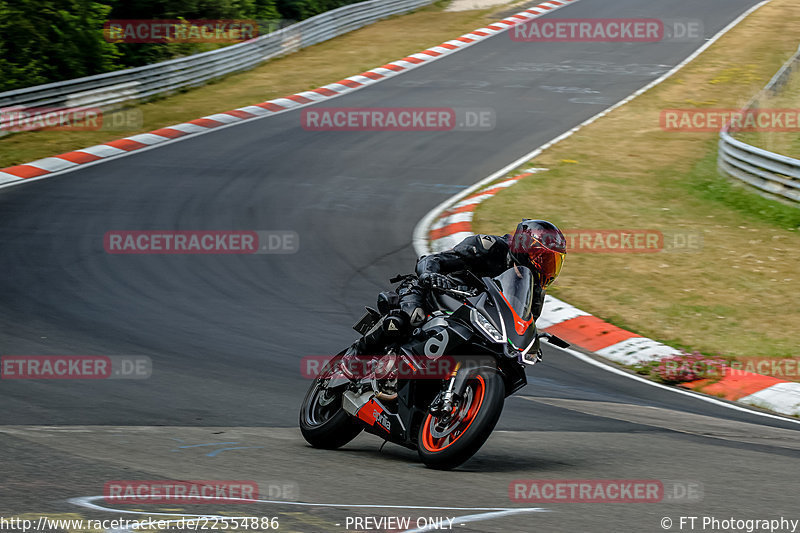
x: 452, y: 223
x: 576, y: 326
x: 455, y: 223
x: 72, y: 160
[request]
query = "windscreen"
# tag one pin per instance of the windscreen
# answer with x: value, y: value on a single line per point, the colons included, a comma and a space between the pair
x: 516, y: 284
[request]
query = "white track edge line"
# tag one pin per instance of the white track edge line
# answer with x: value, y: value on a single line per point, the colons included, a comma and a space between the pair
x: 703, y: 397
x: 420, y: 236
x: 350, y: 90
x: 476, y: 518
x: 88, y: 503
x: 420, y: 240
x: 488, y: 514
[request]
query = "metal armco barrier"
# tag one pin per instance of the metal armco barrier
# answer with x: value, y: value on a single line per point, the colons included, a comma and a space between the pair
x: 773, y: 175
x: 138, y: 84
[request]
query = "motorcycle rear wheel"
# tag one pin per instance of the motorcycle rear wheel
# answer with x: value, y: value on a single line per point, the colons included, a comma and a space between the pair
x: 448, y: 447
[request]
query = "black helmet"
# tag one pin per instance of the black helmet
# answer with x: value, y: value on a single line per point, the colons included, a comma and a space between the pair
x: 540, y: 246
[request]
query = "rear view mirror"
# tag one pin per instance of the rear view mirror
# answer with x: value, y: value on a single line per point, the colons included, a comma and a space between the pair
x: 556, y: 341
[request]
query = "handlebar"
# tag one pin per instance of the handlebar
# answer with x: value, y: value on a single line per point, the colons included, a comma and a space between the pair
x: 455, y: 292
x: 462, y: 290
x: 458, y: 292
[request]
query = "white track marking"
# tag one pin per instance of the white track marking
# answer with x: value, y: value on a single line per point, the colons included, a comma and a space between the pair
x: 253, y: 110
x: 556, y: 311
x: 147, y: 138
x: 285, y: 102
x: 636, y: 350
x: 187, y: 128
x: 225, y: 118
x: 52, y: 164
x: 193, y: 130
x: 781, y: 397
x: 87, y: 502
x: 453, y: 219
x: 5, y: 177
x: 100, y: 150
x: 420, y: 238
x: 479, y: 518
x: 702, y: 397
x: 475, y: 200
x: 312, y: 95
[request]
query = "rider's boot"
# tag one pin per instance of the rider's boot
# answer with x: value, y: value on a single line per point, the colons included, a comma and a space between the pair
x: 395, y: 324
x: 389, y: 328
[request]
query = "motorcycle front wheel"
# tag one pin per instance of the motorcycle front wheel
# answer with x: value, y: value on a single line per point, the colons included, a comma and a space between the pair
x: 323, y: 422
x: 446, y: 445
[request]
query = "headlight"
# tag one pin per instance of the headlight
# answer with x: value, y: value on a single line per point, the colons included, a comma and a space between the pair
x: 483, y: 323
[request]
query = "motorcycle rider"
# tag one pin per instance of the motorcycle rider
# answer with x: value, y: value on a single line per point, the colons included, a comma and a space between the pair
x: 536, y: 244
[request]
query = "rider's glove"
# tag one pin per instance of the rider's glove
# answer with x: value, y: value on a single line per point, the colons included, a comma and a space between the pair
x: 434, y: 280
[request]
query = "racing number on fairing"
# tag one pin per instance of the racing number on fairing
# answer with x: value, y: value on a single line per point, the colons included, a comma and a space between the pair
x: 437, y: 344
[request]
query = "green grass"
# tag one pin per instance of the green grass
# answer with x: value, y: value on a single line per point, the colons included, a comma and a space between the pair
x: 703, y: 182
x: 736, y: 295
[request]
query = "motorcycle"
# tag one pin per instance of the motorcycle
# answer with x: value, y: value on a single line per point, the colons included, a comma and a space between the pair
x: 441, y: 390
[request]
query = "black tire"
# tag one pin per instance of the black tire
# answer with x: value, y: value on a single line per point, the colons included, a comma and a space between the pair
x: 440, y: 454
x: 326, y: 425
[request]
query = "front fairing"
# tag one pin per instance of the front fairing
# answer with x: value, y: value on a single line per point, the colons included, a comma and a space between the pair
x: 510, y: 308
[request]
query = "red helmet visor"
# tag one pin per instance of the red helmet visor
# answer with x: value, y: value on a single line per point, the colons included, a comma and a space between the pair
x: 547, y: 262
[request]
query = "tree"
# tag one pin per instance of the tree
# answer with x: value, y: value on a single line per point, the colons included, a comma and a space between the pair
x: 42, y: 41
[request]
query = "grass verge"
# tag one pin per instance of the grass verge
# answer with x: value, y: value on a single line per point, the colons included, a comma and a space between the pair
x: 736, y: 295
x: 309, y: 68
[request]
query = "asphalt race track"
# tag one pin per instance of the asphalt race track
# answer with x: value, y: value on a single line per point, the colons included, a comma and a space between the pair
x: 226, y: 333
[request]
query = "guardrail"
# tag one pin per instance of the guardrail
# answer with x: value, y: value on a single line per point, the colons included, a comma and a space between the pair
x: 113, y: 89
x: 773, y: 175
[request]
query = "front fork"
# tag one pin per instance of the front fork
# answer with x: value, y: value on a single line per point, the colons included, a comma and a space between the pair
x: 446, y: 402
x: 443, y: 404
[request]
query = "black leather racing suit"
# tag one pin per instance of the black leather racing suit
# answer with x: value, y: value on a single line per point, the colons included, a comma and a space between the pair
x: 483, y: 255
